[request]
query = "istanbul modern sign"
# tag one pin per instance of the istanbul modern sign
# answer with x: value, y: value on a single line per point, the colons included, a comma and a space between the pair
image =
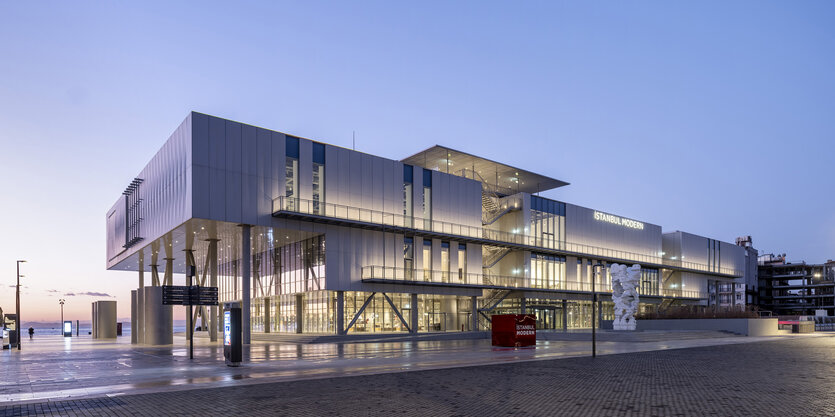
x: 620, y: 221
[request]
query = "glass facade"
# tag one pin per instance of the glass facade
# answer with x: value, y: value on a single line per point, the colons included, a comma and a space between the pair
x: 462, y: 262
x: 318, y: 185
x: 408, y: 174
x: 650, y: 282
x: 295, y: 268
x: 444, y: 261
x: 550, y: 315
x: 408, y: 258
x: 548, y: 222
x: 291, y: 171
x: 427, y: 260
x: 547, y: 271
x: 378, y: 315
x: 427, y: 198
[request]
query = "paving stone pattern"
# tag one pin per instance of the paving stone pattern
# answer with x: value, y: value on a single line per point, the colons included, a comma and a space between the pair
x: 789, y: 377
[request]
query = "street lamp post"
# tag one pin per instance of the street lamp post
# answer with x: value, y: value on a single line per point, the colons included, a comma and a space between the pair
x: 17, y: 304
x: 61, y: 301
x: 594, y: 309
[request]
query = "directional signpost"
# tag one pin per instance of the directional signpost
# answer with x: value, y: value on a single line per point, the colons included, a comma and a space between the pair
x: 194, y: 295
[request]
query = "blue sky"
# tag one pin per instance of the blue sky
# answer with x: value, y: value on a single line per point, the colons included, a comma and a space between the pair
x: 709, y: 117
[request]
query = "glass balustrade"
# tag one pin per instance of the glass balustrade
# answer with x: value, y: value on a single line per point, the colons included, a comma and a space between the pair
x: 390, y: 273
x: 338, y: 211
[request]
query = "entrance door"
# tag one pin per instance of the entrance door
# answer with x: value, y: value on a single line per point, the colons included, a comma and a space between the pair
x: 545, y: 318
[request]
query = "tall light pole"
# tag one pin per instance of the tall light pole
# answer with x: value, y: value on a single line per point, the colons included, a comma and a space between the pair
x: 594, y: 309
x: 17, y: 304
x: 61, y: 301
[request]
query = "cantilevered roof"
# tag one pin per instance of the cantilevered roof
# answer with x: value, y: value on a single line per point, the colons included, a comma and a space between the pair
x: 505, y: 178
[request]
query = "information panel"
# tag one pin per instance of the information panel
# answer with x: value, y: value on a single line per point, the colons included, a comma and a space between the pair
x: 195, y: 295
x: 227, y: 328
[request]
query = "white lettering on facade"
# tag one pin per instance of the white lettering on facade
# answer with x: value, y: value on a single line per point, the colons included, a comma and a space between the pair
x: 525, y: 330
x: 620, y: 221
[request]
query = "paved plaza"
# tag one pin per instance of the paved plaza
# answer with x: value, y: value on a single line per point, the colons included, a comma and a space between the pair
x: 720, y: 376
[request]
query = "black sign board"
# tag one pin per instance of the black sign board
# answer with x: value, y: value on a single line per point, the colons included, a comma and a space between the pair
x: 194, y: 295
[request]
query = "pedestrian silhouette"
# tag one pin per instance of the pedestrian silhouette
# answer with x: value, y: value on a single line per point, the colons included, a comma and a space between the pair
x: 31, y: 332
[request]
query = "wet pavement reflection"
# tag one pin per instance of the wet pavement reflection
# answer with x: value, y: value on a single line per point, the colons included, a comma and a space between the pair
x: 55, y: 367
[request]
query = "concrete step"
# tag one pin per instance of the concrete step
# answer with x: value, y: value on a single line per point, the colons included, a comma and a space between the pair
x: 365, y: 338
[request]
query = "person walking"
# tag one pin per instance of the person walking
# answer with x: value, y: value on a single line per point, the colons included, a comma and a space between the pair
x: 31, y: 332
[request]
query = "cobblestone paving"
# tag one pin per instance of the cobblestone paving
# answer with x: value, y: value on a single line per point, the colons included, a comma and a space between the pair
x: 789, y: 377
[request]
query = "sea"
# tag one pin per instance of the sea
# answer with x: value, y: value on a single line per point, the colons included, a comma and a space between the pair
x: 84, y: 330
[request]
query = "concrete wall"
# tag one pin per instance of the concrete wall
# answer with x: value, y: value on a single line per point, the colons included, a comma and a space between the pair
x: 105, y: 320
x: 747, y: 327
x: 159, y: 318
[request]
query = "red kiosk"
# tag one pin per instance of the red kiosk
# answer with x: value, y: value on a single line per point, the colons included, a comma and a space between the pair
x: 514, y: 330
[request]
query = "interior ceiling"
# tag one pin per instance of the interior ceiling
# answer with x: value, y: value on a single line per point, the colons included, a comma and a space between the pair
x: 448, y: 160
x: 195, y: 233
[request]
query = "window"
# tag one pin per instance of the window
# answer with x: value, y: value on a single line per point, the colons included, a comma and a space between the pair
x: 445, y: 261
x: 547, y: 222
x: 649, y: 282
x: 427, y: 199
x: 408, y: 174
x: 548, y: 271
x: 318, y: 177
x: 427, y: 260
x: 408, y: 258
x: 291, y: 173
x: 462, y: 262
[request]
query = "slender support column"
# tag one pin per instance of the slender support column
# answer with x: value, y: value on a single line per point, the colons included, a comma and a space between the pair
x: 474, y: 315
x: 246, y: 312
x: 133, y: 316
x: 340, y: 312
x: 299, y: 312
x: 154, y: 275
x: 168, y: 280
x: 213, y: 323
x: 189, y: 282
x: 413, y: 313
x: 140, y: 306
x: 524, y: 305
x: 564, y: 315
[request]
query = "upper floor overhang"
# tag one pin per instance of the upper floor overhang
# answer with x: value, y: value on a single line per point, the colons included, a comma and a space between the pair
x: 505, y: 178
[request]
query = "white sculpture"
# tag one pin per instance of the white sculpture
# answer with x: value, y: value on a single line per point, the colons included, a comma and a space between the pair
x: 625, y: 283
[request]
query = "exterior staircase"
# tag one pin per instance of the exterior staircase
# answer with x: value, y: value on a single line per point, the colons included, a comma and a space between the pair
x: 491, y: 255
x: 667, y: 303
x: 488, y: 303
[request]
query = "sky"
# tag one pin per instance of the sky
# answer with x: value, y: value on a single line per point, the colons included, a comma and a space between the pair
x: 712, y: 117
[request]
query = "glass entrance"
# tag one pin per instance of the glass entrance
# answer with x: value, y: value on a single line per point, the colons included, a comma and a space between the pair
x: 547, y: 318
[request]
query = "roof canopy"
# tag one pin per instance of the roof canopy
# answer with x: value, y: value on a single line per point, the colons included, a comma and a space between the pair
x: 504, y: 178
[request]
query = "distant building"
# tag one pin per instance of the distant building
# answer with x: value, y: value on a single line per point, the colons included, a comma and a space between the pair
x: 747, y: 288
x: 795, y: 288
x: 742, y: 290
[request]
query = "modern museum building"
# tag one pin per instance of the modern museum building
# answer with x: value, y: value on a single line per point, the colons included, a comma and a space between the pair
x: 316, y: 238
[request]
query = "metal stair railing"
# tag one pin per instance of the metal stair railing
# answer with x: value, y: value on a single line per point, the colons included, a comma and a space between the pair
x: 493, y: 256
